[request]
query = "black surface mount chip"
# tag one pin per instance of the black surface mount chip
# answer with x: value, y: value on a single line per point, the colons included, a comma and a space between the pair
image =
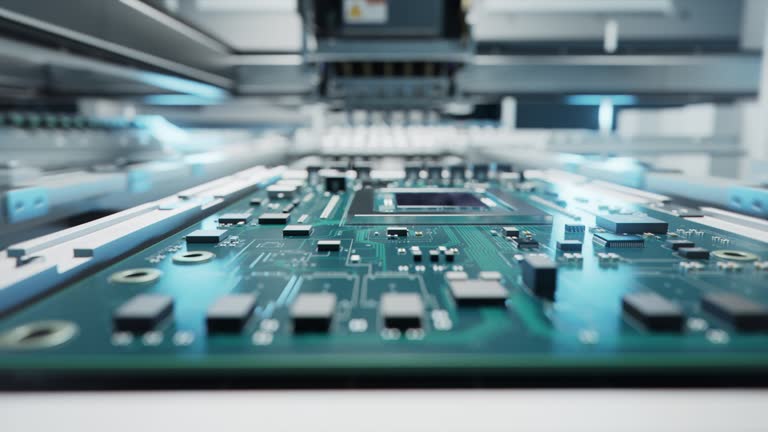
x: 274, y: 218
x: 297, y: 230
x: 693, y: 253
x: 206, y: 236
x: 654, y: 311
x: 632, y: 224
x: 524, y: 243
x: 570, y: 245
x: 230, y: 313
x: 608, y: 241
x: 540, y: 275
x: 142, y: 313
x: 741, y: 312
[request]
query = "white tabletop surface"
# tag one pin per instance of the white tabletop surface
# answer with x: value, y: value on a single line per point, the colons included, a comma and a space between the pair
x: 387, y: 410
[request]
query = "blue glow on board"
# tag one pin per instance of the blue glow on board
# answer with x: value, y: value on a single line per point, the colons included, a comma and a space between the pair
x: 595, y: 100
x: 179, y: 100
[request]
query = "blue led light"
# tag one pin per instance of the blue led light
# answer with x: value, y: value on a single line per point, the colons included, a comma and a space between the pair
x: 594, y: 100
x: 183, y: 85
x: 179, y: 100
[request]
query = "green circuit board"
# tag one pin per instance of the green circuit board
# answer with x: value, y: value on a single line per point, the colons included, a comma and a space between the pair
x: 460, y: 325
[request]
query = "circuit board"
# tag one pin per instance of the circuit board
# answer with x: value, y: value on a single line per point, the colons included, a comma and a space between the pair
x: 335, y: 276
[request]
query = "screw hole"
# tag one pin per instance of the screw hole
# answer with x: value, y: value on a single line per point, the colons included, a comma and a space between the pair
x: 40, y: 334
x: 37, y: 334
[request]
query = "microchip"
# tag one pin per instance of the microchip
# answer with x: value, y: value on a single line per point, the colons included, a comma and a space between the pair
x: 297, y: 230
x: 693, y: 253
x: 281, y: 191
x: 289, y: 208
x: 450, y: 255
x: 525, y: 243
x: 398, y: 231
x: 335, y: 183
x: 608, y: 240
x: 230, y: 313
x: 540, y: 275
x: 569, y: 245
x: 490, y: 275
x: 434, y: 255
x: 443, y: 206
x: 456, y: 275
x: 206, y: 236
x: 256, y: 202
x: 632, y: 224
x: 574, y: 228
x: 329, y: 245
x: 417, y: 255
x: 653, y: 311
x: 142, y: 313
x: 445, y: 199
x: 742, y: 313
x: 677, y: 244
x: 401, y: 310
x: 313, y: 312
x: 274, y: 218
x: 234, y: 218
x: 474, y: 292
x: 511, y: 232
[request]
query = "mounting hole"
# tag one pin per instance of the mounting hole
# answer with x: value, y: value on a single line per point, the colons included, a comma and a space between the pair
x: 735, y: 255
x: 38, y: 334
x: 136, y: 276
x: 193, y: 257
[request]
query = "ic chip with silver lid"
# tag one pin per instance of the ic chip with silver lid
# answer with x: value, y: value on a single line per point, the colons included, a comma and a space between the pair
x: 401, y: 310
x: 474, y: 292
x: 313, y: 312
x: 206, y: 236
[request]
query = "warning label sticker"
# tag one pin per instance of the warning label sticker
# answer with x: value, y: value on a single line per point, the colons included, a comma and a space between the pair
x: 366, y: 11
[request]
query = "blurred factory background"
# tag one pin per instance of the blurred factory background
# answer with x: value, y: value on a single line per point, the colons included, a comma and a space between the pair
x: 108, y: 104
